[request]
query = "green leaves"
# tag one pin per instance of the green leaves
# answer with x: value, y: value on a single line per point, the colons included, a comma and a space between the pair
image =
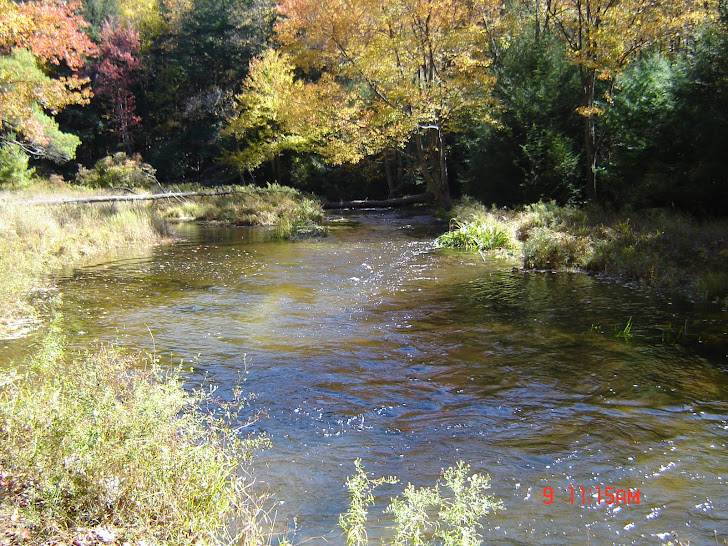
x: 448, y: 514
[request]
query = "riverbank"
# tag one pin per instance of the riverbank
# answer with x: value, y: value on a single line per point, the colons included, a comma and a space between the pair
x: 293, y: 213
x: 35, y: 241
x: 107, y: 448
x: 657, y: 249
x: 39, y: 239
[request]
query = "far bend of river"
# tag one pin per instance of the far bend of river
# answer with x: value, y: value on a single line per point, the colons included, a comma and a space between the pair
x: 373, y: 344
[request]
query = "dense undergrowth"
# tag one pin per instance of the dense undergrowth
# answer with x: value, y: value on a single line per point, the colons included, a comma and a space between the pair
x: 105, y: 447
x: 659, y: 248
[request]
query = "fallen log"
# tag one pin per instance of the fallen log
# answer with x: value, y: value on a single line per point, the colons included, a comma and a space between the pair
x: 379, y: 203
x: 118, y: 198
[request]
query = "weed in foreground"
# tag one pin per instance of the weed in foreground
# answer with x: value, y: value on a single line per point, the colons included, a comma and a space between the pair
x: 424, y: 516
x: 109, y: 441
x: 626, y: 332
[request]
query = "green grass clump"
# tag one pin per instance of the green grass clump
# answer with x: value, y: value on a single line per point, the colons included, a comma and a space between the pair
x: 481, y: 234
x: 108, y: 441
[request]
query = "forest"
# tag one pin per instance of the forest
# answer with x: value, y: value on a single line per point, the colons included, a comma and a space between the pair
x: 622, y: 103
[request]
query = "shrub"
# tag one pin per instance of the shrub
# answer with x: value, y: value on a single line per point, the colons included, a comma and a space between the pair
x: 109, y: 441
x: 424, y: 514
x: 14, y: 171
x: 547, y: 249
x: 117, y: 171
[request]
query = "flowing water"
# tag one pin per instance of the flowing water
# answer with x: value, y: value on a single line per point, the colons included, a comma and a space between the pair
x: 373, y: 344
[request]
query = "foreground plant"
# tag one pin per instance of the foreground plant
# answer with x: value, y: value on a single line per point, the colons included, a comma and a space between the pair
x: 424, y: 516
x: 107, y: 441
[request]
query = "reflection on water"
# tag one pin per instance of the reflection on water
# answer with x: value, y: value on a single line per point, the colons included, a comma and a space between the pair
x: 373, y: 344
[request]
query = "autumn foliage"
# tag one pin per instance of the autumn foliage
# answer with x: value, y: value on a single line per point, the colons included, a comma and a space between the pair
x: 116, y: 73
x: 392, y: 74
x: 34, y: 36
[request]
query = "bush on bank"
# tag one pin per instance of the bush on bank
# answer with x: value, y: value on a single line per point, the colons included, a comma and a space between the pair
x: 106, y: 447
x: 660, y: 248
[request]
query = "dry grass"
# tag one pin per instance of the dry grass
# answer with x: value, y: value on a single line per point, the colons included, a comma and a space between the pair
x: 289, y: 210
x: 35, y: 241
x: 662, y: 249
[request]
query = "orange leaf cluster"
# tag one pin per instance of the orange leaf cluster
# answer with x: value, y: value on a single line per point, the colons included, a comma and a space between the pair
x: 52, y: 30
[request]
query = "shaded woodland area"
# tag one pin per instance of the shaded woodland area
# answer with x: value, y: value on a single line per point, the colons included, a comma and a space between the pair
x: 623, y: 103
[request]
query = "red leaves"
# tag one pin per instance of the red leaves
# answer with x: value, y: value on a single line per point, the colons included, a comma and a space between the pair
x: 116, y: 75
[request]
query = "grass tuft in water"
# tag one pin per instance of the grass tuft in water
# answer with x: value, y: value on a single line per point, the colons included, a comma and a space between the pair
x: 108, y: 443
x: 626, y: 332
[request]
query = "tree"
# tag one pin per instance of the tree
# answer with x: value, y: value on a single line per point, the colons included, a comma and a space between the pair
x: 117, y: 72
x: 381, y: 74
x: 193, y: 69
x: 533, y: 151
x: 603, y: 36
x: 33, y: 37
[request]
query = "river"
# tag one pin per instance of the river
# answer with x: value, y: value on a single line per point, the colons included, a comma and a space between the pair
x: 373, y: 344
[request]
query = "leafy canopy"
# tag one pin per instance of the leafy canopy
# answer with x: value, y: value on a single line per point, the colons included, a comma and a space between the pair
x: 33, y: 37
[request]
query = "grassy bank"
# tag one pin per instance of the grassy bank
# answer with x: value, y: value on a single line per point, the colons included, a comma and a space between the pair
x: 660, y: 249
x: 105, y: 448
x: 293, y: 213
x: 35, y: 241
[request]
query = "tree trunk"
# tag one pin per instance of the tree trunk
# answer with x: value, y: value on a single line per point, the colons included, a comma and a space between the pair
x: 588, y: 80
x: 433, y: 165
x: 389, y: 173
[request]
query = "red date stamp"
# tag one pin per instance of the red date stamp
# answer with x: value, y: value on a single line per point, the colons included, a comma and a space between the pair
x: 596, y: 495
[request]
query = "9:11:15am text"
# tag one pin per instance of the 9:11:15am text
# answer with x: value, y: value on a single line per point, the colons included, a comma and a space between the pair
x: 596, y: 495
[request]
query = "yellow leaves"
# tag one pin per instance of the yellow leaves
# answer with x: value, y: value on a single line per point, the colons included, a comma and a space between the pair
x: 403, y: 62
x: 604, y: 35
x: 146, y: 15
x: 14, y: 24
x: 589, y: 111
x: 26, y: 91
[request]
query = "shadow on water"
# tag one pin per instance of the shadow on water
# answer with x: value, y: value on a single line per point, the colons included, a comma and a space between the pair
x: 373, y: 344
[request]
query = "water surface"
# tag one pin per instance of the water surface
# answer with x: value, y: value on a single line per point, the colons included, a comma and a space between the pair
x: 373, y: 344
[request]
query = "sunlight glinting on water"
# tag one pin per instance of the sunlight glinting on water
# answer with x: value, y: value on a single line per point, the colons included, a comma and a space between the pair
x: 373, y: 344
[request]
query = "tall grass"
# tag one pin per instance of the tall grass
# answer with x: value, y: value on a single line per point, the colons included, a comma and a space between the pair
x: 107, y: 443
x: 658, y: 248
x: 35, y: 241
x: 477, y: 228
x: 289, y: 210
